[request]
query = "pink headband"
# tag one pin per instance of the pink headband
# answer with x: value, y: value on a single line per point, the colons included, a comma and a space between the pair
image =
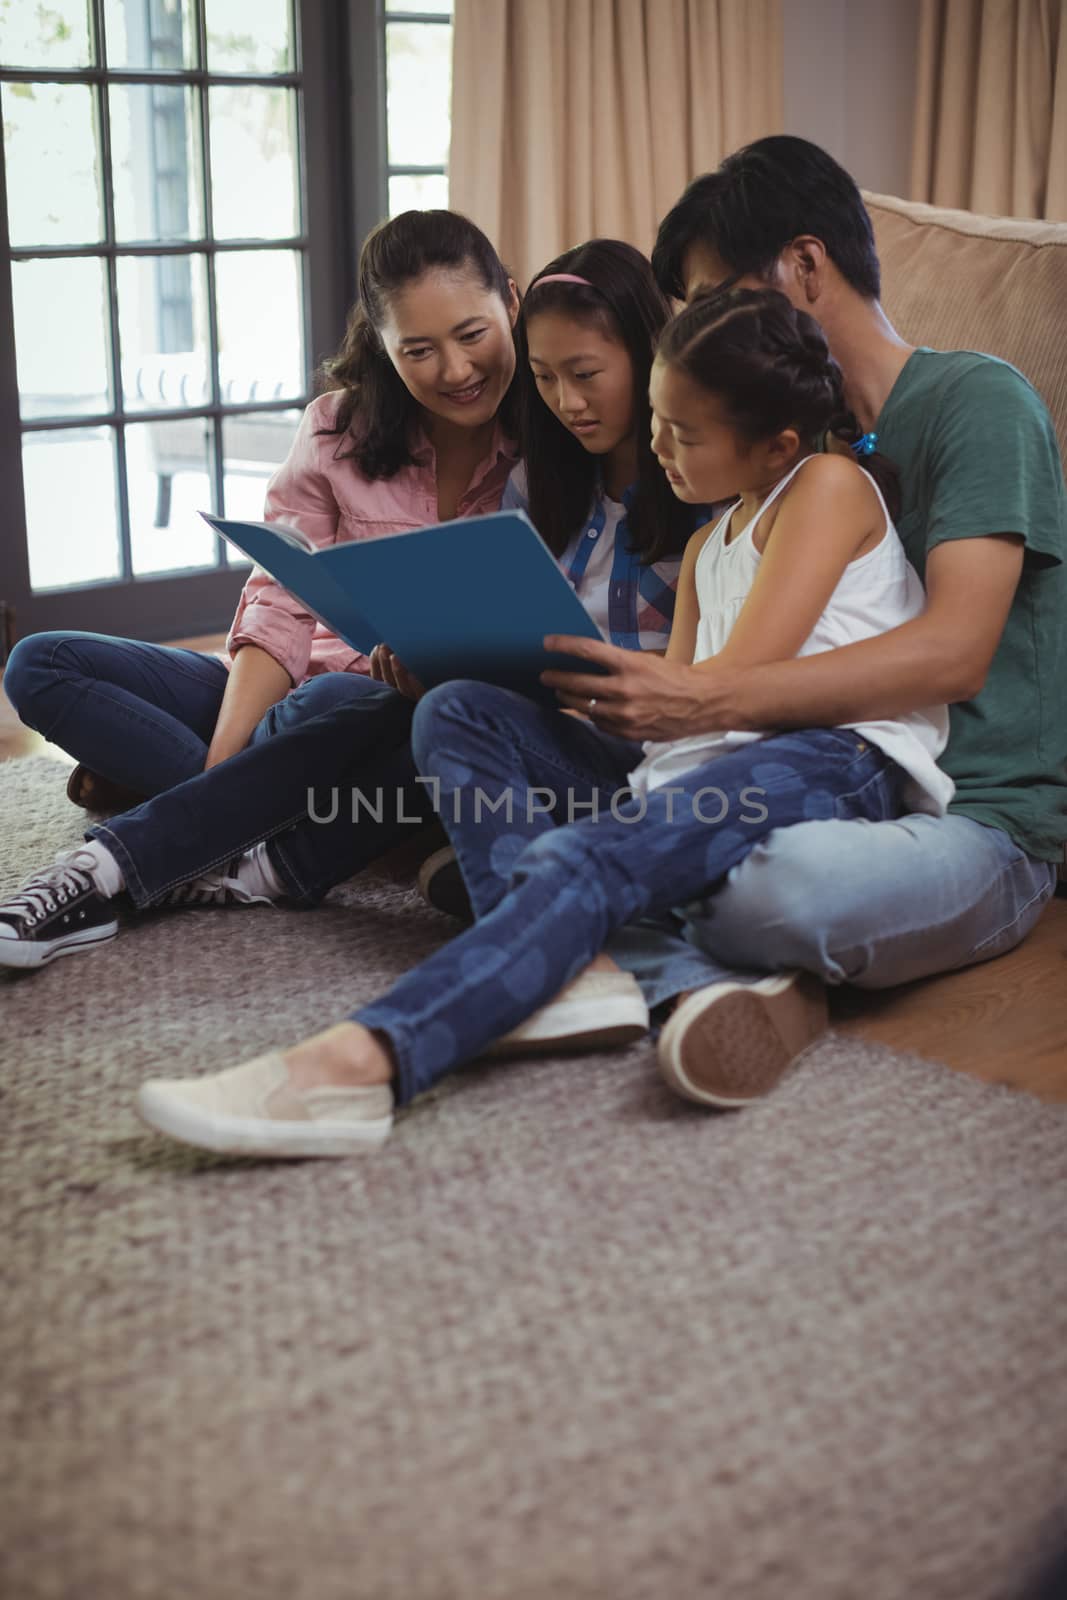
x: 563, y: 277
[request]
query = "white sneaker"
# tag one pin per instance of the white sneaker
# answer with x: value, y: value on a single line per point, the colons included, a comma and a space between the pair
x: 592, y: 1012
x: 731, y: 1043
x: 255, y: 1110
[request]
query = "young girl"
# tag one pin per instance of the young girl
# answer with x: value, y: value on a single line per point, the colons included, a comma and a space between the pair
x: 805, y: 560
x: 594, y: 339
x: 416, y: 428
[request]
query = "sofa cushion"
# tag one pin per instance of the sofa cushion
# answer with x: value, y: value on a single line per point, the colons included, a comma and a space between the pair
x: 955, y: 280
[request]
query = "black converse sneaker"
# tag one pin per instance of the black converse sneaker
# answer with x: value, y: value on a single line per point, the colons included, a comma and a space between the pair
x: 57, y: 912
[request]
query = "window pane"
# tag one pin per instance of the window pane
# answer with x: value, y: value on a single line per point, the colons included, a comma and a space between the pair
x: 53, y: 35
x: 253, y: 445
x: 139, y: 35
x: 71, y: 540
x: 418, y: 58
x: 248, y: 36
x: 168, y: 471
x: 260, y: 312
x: 53, y: 192
x: 157, y: 170
x: 253, y: 178
x: 61, y: 345
x: 426, y: 193
x: 442, y: 7
x: 163, y: 332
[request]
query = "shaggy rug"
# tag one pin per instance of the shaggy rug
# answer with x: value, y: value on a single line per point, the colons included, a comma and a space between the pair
x: 563, y: 1336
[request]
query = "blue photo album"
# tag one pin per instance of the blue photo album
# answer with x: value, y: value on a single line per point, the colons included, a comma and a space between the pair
x: 466, y: 599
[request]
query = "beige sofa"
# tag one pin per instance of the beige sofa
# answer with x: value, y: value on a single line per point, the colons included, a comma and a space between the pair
x: 955, y: 280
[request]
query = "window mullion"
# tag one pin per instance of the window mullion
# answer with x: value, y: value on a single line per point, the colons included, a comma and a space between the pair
x: 103, y: 123
x: 218, y: 487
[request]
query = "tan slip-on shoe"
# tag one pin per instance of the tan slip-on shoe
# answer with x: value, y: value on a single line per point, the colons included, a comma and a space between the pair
x: 592, y: 1012
x: 255, y: 1110
x: 731, y: 1043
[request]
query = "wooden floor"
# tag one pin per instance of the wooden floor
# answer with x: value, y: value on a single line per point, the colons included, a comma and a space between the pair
x: 1004, y: 1021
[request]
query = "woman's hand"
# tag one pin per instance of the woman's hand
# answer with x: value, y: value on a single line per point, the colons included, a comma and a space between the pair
x: 386, y: 668
x: 642, y: 696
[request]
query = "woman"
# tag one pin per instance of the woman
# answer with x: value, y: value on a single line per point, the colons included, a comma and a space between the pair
x: 416, y: 428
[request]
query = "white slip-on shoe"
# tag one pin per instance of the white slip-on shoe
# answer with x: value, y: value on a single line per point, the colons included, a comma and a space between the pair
x: 592, y: 1012
x: 731, y: 1043
x: 255, y: 1110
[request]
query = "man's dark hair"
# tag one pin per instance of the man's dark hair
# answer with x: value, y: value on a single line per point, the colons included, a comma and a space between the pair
x: 760, y: 199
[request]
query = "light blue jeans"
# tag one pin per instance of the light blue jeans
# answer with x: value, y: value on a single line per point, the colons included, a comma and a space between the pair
x: 869, y: 903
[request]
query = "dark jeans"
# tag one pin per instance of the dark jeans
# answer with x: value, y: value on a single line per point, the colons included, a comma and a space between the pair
x: 547, y: 896
x: 140, y: 714
x: 330, y: 795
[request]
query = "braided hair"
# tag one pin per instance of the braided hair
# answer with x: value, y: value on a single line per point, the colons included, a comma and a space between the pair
x: 772, y: 366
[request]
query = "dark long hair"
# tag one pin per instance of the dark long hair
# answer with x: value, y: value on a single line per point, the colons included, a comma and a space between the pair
x: 377, y: 413
x: 756, y: 202
x: 625, y: 304
x: 772, y: 366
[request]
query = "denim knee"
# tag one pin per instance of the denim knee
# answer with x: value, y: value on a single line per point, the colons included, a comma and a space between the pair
x: 435, y: 707
x: 28, y: 673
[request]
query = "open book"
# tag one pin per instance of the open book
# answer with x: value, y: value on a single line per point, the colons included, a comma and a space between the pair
x: 466, y: 599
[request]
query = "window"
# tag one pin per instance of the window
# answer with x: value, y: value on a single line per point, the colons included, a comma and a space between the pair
x: 418, y: 68
x: 156, y: 246
x: 185, y: 186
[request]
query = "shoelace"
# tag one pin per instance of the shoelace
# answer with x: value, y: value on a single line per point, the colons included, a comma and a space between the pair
x: 48, y: 890
x: 209, y: 889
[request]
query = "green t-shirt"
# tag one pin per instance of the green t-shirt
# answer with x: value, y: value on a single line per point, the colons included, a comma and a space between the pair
x: 977, y: 454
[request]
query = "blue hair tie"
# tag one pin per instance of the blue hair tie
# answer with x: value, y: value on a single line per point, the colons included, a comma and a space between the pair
x: 865, y: 446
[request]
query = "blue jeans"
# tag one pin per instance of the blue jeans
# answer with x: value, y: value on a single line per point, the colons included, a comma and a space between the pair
x: 139, y: 714
x: 547, y: 897
x: 300, y: 791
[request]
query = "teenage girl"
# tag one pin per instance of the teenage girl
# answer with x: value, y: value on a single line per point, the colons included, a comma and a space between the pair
x: 588, y: 479
x: 805, y: 559
x: 240, y: 833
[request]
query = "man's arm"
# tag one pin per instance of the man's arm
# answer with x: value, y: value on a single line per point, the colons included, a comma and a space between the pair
x: 942, y: 656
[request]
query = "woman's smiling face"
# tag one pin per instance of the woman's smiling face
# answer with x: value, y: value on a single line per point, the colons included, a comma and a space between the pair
x: 450, y: 339
x: 585, y: 377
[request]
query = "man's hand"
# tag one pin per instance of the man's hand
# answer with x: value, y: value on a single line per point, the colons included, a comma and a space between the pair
x: 642, y: 696
x: 386, y: 668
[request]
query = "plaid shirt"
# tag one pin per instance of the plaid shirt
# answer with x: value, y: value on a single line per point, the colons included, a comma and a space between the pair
x: 637, y: 609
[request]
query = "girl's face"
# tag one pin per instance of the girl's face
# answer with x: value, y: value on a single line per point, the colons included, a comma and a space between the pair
x: 701, y: 451
x: 449, y: 338
x: 585, y: 377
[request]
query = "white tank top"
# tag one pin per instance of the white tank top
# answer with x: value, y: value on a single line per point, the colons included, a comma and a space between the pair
x: 876, y: 592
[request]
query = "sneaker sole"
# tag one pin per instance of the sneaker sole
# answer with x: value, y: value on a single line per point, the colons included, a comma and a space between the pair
x: 14, y: 953
x: 255, y: 1136
x: 730, y: 1044
x: 619, y: 1021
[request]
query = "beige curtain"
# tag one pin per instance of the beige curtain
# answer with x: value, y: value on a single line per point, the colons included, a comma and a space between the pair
x: 576, y: 118
x: 991, y: 107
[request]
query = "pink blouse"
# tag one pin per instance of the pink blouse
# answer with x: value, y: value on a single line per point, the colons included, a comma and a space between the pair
x: 329, y: 502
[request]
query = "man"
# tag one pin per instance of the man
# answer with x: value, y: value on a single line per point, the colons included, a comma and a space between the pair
x: 984, y: 522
